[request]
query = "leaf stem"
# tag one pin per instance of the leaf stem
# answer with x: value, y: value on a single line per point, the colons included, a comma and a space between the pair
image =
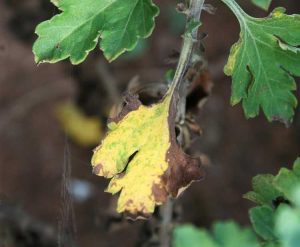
x: 165, y: 234
x: 240, y: 14
x: 189, y: 43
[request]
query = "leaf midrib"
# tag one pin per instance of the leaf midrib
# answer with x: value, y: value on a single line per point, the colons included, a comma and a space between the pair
x: 248, y: 31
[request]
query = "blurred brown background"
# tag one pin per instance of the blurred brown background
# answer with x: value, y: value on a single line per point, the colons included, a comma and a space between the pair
x: 34, y: 150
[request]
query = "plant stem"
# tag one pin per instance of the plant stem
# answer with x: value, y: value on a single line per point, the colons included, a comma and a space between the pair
x: 166, y: 212
x: 189, y: 42
x: 240, y: 14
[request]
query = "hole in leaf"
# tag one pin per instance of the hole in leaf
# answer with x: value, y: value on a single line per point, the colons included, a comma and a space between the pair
x: 280, y: 200
x: 251, y: 80
x: 129, y: 160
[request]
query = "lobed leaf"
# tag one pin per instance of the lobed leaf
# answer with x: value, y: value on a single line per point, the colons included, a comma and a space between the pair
x: 276, y: 195
x: 141, y: 155
x: 264, y: 192
x: 191, y: 236
x: 287, y: 180
x: 263, y: 62
x: 288, y: 222
x: 272, y: 190
x: 224, y: 234
x: 262, y: 219
x: 76, y: 31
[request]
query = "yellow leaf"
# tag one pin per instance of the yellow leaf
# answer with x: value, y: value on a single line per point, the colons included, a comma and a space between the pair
x: 84, y: 130
x: 141, y: 155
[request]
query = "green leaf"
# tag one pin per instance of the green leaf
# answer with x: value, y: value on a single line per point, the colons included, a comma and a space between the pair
x: 191, y: 236
x: 264, y: 4
x: 271, y: 244
x: 277, y: 220
x: 287, y: 180
x: 268, y: 188
x: 287, y: 220
x: 288, y: 226
x: 264, y: 191
x: 262, y: 71
x: 262, y: 219
x: 76, y: 31
x: 296, y: 197
x: 224, y: 234
x: 229, y: 234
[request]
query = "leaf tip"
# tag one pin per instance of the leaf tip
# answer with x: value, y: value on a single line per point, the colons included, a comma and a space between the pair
x: 278, y: 12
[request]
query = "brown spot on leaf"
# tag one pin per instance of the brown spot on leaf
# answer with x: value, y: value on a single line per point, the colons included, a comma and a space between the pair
x: 120, y: 175
x: 183, y: 169
x: 287, y: 123
x: 138, y: 214
x: 131, y: 102
x: 97, y: 169
x: 160, y: 193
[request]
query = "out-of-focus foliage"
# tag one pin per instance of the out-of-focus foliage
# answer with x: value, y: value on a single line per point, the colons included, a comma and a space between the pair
x: 276, y: 220
x: 288, y: 222
x: 224, y: 234
x: 279, y: 210
x: 82, y: 129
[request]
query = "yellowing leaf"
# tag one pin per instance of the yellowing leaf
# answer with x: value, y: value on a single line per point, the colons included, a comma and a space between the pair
x: 83, y: 129
x: 142, y: 157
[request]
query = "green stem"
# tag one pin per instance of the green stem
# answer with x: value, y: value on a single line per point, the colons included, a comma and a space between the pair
x: 240, y: 14
x: 195, y: 9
